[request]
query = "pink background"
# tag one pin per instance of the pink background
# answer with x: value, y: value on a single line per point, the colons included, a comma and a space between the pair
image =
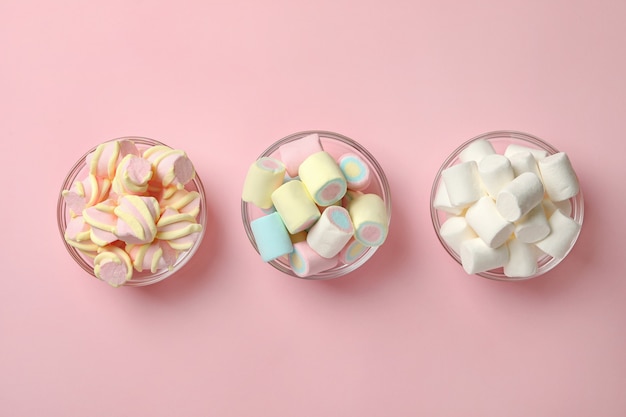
x: 408, y: 334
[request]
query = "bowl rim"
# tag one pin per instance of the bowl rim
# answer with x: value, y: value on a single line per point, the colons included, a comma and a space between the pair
x: 546, y: 263
x: 138, y: 279
x: 342, y: 269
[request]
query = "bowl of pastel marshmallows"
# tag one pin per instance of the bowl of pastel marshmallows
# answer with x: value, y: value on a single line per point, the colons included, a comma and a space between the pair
x: 316, y: 205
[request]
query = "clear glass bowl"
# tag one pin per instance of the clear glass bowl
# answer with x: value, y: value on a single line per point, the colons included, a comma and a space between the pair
x: 79, y: 171
x: 500, y: 140
x: 336, y: 145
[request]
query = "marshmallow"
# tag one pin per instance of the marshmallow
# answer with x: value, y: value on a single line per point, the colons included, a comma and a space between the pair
x: 495, y: 172
x: 442, y: 200
x: 563, y: 233
x: 271, y: 237
x: 180, y: 230
x: 477, y: 257
x: 514, y: 148
x: 323, y: 178
x: 153, y: 256
x: 292, y: 154
x: 102, y: 161
x: 476, y: 150
x: 304, y: 261
x: 463, y: 183
x: 137, y: 218
x: 455, y: 231
x: 523, y: 161
x: 103, y: 222
x: 295, y: 206
x: 170, y: 166
x: 522, y: 261
x: 113, y: 266
x: 519, y: 196
x: 550, y: 207
x: 558, y: 176
x: 331, y: 232
x: 370, y: 219
x: 86, y: 193
x: 264, y: 176
x: 489, y: 225
x: 533, y: 226
x: 132, y: 175
x: 182, y: 200
x: 77, y: 234
x: 352, y: 251
x: 355, y: 170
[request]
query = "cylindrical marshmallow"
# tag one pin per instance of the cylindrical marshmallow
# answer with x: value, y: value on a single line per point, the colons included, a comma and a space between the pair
x: 102, y: 162
x: 550, y: 207
x: 295, y: 206
x: 179, y: 230
x: 477, y: 257
x: 558, y: 176
x: 271, y: 237
x: 331, y: 232
x: 476, y: 150
x: 442, y: 200
x: 132, y: 175
x: 522, y: 260
x: 563, y: 233
x: 523, y: 161
x: 489, y: 225
x: 370, y: 219
x: 533, y: 226
x: 113, y: 266
x: 86, y: 193
x: 515, y: 148
x: 355, y: 170
x: 264, y: 176
x: 463, y: 183
x: 295, y: 152
x: 519, y: 196
x: 170, y: 166
x: 153, y: 256
x: 136, y: 219
x: 455, y: 231
x: 352, y: 251
x: 304, y: 261
x: 323, y: 178
x: 103, y: 222
x: 495, y: 172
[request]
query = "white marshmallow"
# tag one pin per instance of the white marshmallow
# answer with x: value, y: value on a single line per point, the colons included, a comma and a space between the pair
x: 495, y: 172
x: 477, y: 257
x: 563, y: 233
x: 550, y: 207
x: 523, y: 162
x: 488, y: 224
x: 442, y: 201
x: 463, y: 183
x: 476, y: 150
x: 522, y: 259
x: 515, y: 148
x: 331, y: 232
x: 455, y: 231
x: 519, y: 196
x: 558, y: 176
x: 533, y: 226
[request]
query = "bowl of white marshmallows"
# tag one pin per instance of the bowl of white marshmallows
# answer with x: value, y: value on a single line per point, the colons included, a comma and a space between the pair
x: 507, y: 205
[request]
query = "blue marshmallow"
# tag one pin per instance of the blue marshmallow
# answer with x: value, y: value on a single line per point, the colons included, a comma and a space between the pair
x: 271, y: 237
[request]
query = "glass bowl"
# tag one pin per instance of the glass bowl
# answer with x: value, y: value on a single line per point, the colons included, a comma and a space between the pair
x: 138, y: 279
x: 500, y: 140
x: 337, y: 145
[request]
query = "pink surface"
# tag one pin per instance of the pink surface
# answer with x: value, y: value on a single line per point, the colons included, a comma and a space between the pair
x: 409, y: 333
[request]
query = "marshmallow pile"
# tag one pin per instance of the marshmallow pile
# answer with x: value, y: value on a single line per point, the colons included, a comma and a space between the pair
x: 316, y: 209
x: 132, y: 212
x: 507, y: 210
